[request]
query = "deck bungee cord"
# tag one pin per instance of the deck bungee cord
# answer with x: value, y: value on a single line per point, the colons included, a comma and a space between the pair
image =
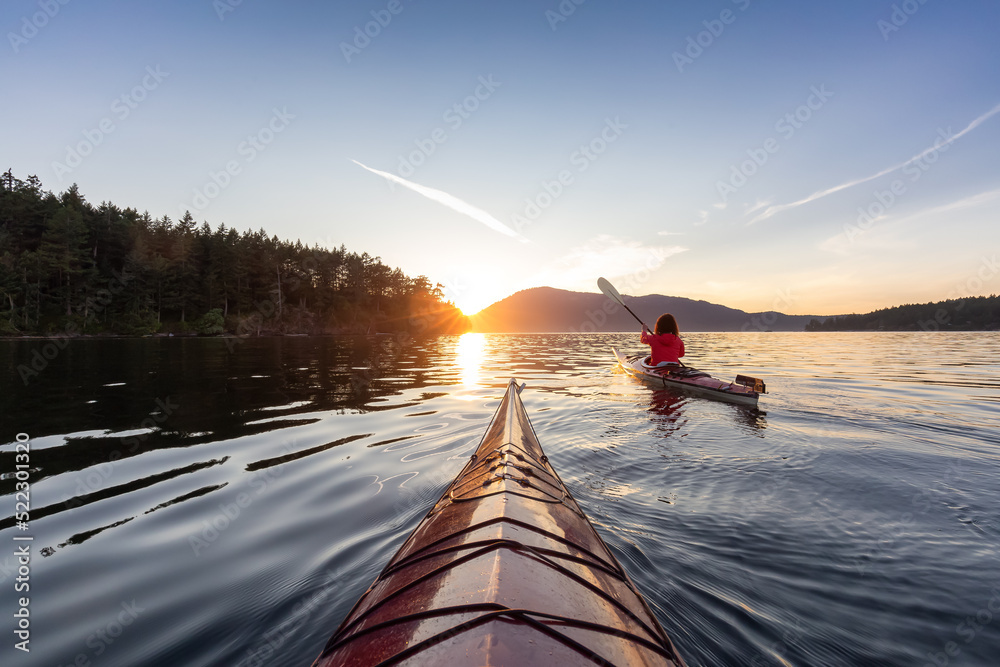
x: 504, y: 569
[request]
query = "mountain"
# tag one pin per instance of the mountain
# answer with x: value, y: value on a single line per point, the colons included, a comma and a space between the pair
x: 546, y: 309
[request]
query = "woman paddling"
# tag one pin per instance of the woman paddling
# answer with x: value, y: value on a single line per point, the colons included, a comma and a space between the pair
x: 665, y: 345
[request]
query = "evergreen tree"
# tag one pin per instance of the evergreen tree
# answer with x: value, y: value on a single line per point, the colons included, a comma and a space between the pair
x: 66, y: 266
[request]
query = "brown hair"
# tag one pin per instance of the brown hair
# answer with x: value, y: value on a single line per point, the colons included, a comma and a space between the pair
x: 667, y: 324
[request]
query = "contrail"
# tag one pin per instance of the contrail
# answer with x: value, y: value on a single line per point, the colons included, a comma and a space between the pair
x: 771, y: 210
x: 451, y: 202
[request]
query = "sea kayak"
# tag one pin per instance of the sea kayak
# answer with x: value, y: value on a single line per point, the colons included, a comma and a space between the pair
x: 744, y: 390
x: 504, y: 570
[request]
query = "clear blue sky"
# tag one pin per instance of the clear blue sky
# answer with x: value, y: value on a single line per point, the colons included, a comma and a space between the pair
x: 730, y: 144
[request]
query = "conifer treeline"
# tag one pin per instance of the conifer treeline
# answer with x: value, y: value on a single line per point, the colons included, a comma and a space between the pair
x: 974, y: 313
x: 68, y: 267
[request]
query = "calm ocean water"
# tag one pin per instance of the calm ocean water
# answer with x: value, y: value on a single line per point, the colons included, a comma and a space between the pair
x: 198, y: 502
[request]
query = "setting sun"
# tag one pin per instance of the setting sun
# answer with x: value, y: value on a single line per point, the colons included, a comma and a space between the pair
x: 471, y: 302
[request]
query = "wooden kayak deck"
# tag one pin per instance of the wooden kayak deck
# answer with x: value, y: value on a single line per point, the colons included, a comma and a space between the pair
x: 504, y: 570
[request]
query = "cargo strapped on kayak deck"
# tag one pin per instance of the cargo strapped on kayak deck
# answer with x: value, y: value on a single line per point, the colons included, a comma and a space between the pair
x: 756, y: 384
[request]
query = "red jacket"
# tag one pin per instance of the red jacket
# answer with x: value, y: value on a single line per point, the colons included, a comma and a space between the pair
x: 664, y: 347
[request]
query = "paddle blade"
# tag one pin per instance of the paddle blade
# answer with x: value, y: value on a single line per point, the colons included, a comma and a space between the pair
x: 613, y: 294
x: 609, y: 290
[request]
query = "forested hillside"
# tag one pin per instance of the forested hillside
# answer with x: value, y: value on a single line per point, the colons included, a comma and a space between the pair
x: 69, y: 267
x: 974, y: 313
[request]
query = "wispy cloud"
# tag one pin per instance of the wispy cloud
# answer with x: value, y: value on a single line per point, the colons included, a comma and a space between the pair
x: 887, y: 235
x: 967, y: 202
x: 450, y: 201
x: 772, y: 210
x: 603, y: 255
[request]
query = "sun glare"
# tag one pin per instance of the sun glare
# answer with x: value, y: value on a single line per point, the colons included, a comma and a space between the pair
x: 470, y: 305
x: 471, y: 348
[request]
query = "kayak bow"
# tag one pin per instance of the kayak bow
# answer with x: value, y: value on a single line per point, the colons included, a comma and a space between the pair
x: 744, y: 390
x: 504, y: 570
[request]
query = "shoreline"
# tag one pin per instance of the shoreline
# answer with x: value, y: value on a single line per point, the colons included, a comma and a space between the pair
x: 382, y: 334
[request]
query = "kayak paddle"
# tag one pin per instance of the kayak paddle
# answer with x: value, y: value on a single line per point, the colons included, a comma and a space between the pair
x: 613, y: 294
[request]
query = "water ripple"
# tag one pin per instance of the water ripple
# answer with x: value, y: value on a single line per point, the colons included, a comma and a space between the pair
x: 237, y: 496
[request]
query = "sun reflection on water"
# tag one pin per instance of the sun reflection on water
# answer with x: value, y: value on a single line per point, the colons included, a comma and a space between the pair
x: 470, y: 353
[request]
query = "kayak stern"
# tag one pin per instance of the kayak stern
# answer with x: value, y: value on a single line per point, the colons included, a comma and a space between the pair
x: 745, y: 390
